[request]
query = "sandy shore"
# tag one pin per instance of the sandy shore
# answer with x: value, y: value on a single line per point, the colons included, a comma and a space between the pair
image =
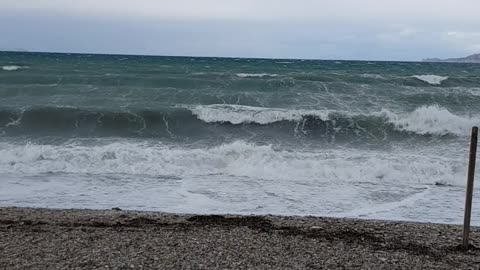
x: 115, y: 239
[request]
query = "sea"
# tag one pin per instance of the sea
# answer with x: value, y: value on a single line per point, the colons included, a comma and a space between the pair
x: 204, y: 135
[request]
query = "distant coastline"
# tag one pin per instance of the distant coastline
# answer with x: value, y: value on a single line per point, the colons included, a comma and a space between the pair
x: 474, y: 58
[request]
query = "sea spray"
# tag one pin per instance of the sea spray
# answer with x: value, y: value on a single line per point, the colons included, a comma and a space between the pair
x: 431, y: 79
x: 239, y: 159
x: 12, y: 67
x: 432, y: 120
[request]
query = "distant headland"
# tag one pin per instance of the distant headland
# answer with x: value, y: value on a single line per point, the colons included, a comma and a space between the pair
x: 474, y: 58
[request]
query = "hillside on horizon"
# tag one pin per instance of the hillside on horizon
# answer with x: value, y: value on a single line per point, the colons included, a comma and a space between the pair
x: 474, y: 58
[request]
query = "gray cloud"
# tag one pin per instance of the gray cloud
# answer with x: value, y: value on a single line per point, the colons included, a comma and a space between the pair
x: 342, y: 29
x: 311, y: 10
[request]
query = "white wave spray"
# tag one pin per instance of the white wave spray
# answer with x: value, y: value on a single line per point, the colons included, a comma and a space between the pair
x: 236, y: 159
x: 255, y: 75
x: 431, y: 79
x: 13, y: 67
x: 432, y: 120
x: 238, y: 114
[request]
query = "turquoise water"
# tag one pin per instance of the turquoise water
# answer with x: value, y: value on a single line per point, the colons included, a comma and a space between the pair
x: 226, y: 135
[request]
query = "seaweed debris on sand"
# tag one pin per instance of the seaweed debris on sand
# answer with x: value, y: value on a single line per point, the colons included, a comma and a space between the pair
x: 116, y: 239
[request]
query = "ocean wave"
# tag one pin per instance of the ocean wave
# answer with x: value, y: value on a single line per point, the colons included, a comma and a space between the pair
x: 64, y: 120
x: 13, y: 67
x: 239, y: 114
x: 202, y: 120
x: 235, y: 159
x: 473, y: 91
x: 372, y: 76
x: 433, y: 120
x: 256, y: 75
x: 431, y: 79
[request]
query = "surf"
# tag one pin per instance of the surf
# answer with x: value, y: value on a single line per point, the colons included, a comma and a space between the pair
x: 234, y: 159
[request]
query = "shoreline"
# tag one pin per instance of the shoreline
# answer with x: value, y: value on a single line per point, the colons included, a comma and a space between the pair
x: 189, y: 214
x: 115, y: 239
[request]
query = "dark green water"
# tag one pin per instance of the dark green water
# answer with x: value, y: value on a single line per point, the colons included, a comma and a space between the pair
x: 135, y: 96
x: 383, y: 130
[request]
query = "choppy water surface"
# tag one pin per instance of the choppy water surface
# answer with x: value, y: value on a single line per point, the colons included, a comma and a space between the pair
x: 384, y: 140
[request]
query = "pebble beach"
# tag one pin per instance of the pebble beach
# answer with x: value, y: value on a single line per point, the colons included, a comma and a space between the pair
x: 33, y: 238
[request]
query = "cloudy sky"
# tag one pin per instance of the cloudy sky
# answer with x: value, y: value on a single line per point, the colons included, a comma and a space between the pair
x: 319, y: 29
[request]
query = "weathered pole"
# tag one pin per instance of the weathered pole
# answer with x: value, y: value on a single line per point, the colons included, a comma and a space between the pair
x: 469, y: 194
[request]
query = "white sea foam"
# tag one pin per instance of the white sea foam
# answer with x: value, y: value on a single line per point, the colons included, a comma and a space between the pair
x: 237, y: 159
x: 433, y: 120
x: 238, y: 114
x: 13, y: 67
x: 372, y: 76
x: 474, y: 91
x: 255, y: 75
x: 431, y: 79
x: 235, y: 178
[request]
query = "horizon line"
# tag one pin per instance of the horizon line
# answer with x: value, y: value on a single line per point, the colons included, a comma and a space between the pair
x: 196, y: 56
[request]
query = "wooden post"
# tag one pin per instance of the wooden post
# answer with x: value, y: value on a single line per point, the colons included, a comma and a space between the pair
x: 471, y: 175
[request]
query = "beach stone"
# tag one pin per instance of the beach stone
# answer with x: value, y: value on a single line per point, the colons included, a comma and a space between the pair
x: 96, y: 239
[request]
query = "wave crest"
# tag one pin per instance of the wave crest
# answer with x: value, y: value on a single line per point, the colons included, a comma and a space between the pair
x: 239, y: 114
x: 431, y: 79
x: 432, y: 120
x: 256, y: 75
x: 237, y: 120
x: 425, y: 120
x: 13, y: 67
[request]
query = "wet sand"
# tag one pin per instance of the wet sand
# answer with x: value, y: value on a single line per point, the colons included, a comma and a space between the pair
x: 116, y: 239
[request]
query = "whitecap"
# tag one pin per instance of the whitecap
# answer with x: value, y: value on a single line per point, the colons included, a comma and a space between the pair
x: 372, y: 76
x: 13, y: 67
x: 238, y: 114
x: 431, y: 79
x: 432, y: 120
x: 255, y: 75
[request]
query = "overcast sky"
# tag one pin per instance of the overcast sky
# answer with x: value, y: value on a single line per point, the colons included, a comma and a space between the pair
x: 320, y: 29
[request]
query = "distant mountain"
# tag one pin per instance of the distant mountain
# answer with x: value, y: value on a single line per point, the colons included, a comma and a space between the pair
x: 13, y: 50
x: 474, y: 58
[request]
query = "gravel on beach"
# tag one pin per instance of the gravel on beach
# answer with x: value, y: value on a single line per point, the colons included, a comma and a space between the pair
x: 114, y: 239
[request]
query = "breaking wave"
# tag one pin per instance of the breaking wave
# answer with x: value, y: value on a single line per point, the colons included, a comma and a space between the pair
x: 432, y: 120
x: 240, y: 114
x: 255, y: 75
x: 203, y: 120
x: 236, y: 159
x: 13, y: 67
x: 431, y: 79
